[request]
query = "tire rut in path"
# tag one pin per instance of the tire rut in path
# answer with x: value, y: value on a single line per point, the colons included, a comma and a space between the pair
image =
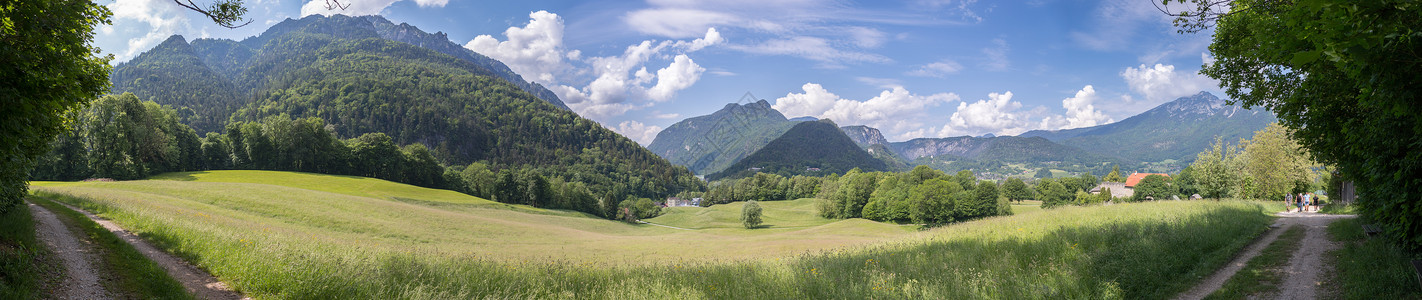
x: 81, y: 280
x: 196, y: 281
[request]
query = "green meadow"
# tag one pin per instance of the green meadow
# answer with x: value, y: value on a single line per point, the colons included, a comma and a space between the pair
x: 295, y: 235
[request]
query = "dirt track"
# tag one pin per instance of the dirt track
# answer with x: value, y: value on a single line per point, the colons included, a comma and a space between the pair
x: 1301, y: 276
x: 81, y: 279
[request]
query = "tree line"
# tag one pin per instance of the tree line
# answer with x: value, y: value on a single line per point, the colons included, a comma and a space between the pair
x: 923, y: 195
x: 120, y: 137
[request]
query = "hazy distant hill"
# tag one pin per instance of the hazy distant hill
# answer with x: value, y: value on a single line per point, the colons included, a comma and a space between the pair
x: 1008, y: 149
x: 708, y: 144
x: 1175, y: 130
x: 819, y: 144
x: 342, y: 70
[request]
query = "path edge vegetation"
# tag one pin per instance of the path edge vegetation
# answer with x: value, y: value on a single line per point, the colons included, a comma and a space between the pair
x: 23, y: 258
x: 1369, y: 268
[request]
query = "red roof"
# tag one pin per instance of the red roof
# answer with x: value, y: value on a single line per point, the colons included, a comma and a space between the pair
x: 1136, y: 178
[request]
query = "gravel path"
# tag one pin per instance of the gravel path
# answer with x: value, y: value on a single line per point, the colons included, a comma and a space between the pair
x: 196, y: 281
x: 1301, y: 279
x: 81, y: 280
x: 1303, y: 275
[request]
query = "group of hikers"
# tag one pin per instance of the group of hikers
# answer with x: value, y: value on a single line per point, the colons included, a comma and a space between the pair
x: 1301, y: 202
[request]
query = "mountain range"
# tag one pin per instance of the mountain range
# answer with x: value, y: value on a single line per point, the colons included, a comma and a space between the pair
x: 1176, y: 131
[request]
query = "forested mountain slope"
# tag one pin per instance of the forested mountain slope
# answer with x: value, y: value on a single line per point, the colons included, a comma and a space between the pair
x: 808, y: 148
x: 708, y: 144
x: 342, y: 70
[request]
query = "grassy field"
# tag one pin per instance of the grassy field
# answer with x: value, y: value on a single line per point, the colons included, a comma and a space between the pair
x: 285, y: 241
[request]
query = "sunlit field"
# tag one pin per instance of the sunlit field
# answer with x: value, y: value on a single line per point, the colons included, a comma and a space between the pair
x: 270, y: 236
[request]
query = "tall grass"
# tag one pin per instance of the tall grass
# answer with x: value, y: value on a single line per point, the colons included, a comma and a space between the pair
x: 22, y: 257
x: 1140, y: 250
x: 1371, y: 268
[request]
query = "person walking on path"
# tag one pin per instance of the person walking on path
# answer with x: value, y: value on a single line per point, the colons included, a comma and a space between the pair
x: 1289, y: 201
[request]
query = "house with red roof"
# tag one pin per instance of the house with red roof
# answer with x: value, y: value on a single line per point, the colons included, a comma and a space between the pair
x: 1136, y: 178
x: 1126, y: 189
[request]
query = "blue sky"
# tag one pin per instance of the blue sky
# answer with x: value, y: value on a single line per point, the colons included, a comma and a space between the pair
x: 930, y: 68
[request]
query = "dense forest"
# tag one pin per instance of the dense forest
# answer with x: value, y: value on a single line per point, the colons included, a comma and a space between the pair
x: 923, y: 195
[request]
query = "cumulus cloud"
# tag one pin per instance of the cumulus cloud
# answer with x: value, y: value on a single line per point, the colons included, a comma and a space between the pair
x: 937, y: 69
x: 597, y: 87
x: 163, y: 20
x: 638, y: 132
x: 998, y: 115
x: 895, y: 111
x: 1162, y: 83
x: 534, y: 51
x: 1080, y: 112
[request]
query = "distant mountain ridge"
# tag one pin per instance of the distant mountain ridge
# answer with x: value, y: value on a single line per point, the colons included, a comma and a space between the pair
x: 814, y: 148
x: 1176, y: 130
x: 710, y: 143
x: 1001, y: 148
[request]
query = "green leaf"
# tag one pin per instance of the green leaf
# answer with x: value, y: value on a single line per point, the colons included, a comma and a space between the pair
x: 1304, y: 57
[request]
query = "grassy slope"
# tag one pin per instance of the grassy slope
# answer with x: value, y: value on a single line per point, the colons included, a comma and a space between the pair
x: 342, y: 246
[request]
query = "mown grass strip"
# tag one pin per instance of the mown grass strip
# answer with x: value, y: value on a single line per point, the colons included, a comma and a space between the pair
x: 23, y: 260
x: 1370, y: 268
x: 1263, y: 274
x: 128, y: 273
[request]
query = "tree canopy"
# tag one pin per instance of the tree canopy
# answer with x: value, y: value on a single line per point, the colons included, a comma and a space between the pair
x: 1342, y: 75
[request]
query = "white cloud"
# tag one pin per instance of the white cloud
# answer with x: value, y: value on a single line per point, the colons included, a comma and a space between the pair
x: 937, y: 69
x: 895, y: 111
x: 998, y: 115
x: 163, y: 20
x: 866, y: 37
x: 534, y: 51
x: 1080, y: 112
x: 813, y: 48
x: 431, y: 3
x: 883, y: 83
x: 826, y: 31
x: 996, y: 56
x: 638, y: 132
x: 356, y: 8
x: 681, y: 74
x: 676, y: 22
x: 1162, y: 83
x: 603, y: 86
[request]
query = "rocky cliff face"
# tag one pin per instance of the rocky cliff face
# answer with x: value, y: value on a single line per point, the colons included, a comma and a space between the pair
x: 864, y: 135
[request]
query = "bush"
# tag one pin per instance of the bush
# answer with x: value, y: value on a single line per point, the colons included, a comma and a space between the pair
x: 750, y: 215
